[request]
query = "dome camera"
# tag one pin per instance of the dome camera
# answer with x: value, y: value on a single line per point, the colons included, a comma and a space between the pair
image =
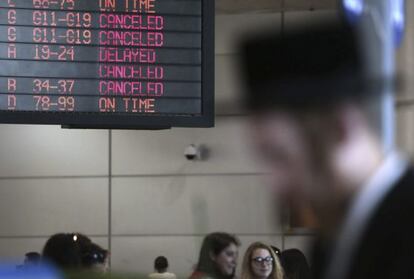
x: 191, y: 152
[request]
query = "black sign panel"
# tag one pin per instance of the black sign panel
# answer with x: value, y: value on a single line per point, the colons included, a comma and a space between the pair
x: 107, y: 63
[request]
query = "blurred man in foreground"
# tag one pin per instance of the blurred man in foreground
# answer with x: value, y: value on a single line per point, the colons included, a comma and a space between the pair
x: 313, y: 122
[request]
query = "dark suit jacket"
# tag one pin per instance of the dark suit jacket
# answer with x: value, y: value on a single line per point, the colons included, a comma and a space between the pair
x: 386, y: 249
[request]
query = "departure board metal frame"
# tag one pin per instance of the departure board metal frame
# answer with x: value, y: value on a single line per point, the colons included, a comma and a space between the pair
x: 126, y: 120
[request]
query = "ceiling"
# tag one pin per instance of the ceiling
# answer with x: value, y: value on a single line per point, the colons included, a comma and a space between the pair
x: 247, y: 6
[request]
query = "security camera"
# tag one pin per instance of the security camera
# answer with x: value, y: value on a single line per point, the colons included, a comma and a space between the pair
x: 191, y: 152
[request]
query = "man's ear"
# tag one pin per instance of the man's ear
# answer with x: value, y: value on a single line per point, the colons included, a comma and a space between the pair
x: 347, y: 120
x: 340, y: 126
x: 327, y: 128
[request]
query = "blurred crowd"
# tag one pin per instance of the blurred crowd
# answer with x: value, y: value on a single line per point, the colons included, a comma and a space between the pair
x: 74, y: 255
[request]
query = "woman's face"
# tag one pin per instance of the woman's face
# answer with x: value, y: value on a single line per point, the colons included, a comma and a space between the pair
x: 261, y: 263
x: 226, y: 260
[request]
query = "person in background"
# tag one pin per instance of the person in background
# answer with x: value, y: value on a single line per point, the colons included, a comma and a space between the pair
x: 295, y: 264
x: 64, y: 250
x: 218, y: 257
x: 261, y: 262
x: 315, y: 122
x: 32, y: 259
x: 73, y: 252
x: 277, y: 251
x: 95, y: 258
x: 161, y: 269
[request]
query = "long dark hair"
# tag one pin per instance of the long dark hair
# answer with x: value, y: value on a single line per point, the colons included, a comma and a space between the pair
x: 214, y: 244
x: 295, y: 264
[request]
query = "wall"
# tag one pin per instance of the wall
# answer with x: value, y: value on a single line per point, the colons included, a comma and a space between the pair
x: 405, y: 96
x: 134, y: 192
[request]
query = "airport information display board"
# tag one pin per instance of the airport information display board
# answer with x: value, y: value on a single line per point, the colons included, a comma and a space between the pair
x: 107, y: 63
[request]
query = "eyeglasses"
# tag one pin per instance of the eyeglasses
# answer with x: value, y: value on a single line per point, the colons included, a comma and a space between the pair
x: 260, y: 260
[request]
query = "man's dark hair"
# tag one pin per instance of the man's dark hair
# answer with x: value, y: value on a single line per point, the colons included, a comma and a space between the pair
x: 314, y: 66
x: 313, y: 69
x: 72, y: 251
x: 33, y: 257
x: 64, y: 250
x: 161, y: 264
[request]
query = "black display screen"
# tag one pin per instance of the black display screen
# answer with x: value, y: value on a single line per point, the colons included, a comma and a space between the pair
x: 107, y: 63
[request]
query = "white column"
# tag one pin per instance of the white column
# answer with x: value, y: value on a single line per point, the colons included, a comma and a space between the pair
x: 377, y: 32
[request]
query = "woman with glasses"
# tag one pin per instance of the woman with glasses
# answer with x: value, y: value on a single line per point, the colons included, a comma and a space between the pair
x: 261, y: 262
